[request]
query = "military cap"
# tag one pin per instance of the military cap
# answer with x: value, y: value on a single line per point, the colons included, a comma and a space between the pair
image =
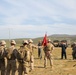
x: 30, y: 40
x: 25, y: 41
x: 3, y: 42
x: 74, y: 42
x: 13, y: 42
x: 49, y: 40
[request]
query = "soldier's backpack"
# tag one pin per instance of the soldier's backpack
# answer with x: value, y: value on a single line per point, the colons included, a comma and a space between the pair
x: 48, y: 47
x: 2, y: 53
x: 14, y: 54
x: 11, y: 53
x: 24, y: 55
x: 27, y: 56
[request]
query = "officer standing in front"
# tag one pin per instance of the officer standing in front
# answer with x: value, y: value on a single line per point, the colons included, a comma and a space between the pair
x: 48, y: 53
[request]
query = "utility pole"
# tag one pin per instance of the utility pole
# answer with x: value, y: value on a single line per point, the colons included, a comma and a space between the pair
x: 9, y: 36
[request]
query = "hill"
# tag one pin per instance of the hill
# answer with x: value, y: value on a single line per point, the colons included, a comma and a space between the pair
x: 70, y: 38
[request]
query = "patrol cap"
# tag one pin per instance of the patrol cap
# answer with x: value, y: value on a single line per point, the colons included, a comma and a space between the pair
x: 30, y: 40
x: 49, y: 40
x: 3, y: 42
x: 25, y: 41
x: 13, y: 42
x: 74, y: 42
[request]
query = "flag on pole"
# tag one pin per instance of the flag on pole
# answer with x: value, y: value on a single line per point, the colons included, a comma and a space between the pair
x: 44, y: 42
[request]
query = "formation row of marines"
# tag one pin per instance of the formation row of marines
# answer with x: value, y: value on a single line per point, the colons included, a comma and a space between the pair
x: 21, y: 61
x: 12, y: 56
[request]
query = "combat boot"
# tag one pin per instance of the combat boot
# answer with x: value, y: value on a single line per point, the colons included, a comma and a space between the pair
x: 25, y: 74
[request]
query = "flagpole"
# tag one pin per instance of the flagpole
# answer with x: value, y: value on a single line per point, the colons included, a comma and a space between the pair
x: 46, y: 32
x: 44, y: 42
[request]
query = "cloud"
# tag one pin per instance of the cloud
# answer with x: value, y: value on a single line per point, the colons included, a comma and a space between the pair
x: 17, y: 11
x: 67, y: 8
x: 32, y: 18
x: 33, y: 31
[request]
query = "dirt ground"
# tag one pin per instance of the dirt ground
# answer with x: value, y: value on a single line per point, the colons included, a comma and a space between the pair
x: 61, y: 66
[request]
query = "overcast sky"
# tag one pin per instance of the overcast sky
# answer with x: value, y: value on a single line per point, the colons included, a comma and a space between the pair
x: 33, y: 18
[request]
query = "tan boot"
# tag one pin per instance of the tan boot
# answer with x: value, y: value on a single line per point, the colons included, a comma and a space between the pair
x: 25, y: 74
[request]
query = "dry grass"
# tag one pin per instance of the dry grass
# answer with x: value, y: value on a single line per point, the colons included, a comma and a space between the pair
x: 61, y: 67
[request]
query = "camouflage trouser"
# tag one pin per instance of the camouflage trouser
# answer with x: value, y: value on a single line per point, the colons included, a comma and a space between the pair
x: 23, y: 68
x: 11, y: 67
x: 48, y: 55
x: 74, y: 54
x: 39, y: 53
x: 2, y: 67
x: 32, y: 62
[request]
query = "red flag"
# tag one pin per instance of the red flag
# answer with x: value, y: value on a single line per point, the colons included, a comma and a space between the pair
x: 44, y: 42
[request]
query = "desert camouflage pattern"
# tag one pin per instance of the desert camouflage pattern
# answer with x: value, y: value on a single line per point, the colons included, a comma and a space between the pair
x: 31, y: 48
x: 23, y: 59
x: 2, y: 60
x: 11, y: 60
x: 48, y: 54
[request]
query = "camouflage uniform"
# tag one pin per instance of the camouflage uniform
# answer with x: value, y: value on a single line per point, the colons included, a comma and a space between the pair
x: 63, y: 46
x: 23, y: 58
x: 40, y: 49
x: 11, y: 59
x: 31, y: 46
x: 48, y: 53
x: 74, y: 51
x: 2, y: 57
